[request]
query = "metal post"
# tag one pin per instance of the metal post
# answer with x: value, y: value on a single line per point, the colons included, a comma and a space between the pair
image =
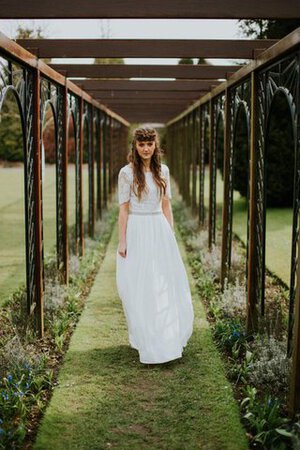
x: 39, y: 295
x: 65, y: 250
x: 226, y: 168
x: 252, y: 316
x: 81, y: 225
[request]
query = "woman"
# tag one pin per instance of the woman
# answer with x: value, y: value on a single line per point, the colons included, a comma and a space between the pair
x: 151, y: 278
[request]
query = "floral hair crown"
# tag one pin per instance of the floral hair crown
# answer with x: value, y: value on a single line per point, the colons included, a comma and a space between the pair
x: 145, y: 134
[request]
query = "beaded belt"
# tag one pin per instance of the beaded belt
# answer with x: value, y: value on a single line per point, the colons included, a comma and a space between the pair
x: 144, y: 213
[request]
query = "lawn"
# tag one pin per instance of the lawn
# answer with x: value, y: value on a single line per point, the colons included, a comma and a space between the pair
x: 278, y: 222
x: 12, y: 221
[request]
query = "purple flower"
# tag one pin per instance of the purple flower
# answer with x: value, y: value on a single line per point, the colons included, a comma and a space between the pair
x: 9, y: 378
x: 4, y: 395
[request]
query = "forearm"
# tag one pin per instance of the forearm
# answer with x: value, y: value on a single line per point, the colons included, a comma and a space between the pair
x: 169, y: 215
x: 122, y: 222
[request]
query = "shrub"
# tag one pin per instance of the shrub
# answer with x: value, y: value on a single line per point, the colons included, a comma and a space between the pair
x: 271, y: 365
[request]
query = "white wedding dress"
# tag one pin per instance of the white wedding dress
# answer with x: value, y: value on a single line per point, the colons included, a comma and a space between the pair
x: 151, y: 280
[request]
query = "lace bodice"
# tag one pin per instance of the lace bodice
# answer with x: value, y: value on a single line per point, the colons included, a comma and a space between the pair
x: 150, y: 200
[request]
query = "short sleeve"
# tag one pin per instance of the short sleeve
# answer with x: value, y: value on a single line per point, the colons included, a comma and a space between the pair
x: 167, y: 177
x: 123, y: 187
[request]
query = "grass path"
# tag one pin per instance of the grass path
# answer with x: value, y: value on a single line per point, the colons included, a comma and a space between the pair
x: 107, y: 399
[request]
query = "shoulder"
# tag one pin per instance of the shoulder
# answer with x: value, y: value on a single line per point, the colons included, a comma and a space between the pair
x: 125, y: 171
x: 165, y: 169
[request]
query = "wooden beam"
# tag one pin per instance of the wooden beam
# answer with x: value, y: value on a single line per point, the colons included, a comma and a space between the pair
x: 129, y: 85
x: 155, y: 118
x: 146, y: 48
x: 111, y: 94
x: 156, y: 9
x: 14, y: 51
x: 148, y: 101
x: 180, y: 71
x: 285, y: 46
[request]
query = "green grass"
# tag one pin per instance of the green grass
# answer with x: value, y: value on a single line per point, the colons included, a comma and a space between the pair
x: 107, y: 399
x: 278, y: 223
x: 12, y: 221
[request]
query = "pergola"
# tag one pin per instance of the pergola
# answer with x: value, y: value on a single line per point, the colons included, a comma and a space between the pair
x: 155, y: 101
x: 197, y: 99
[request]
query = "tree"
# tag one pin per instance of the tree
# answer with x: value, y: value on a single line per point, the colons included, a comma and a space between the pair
x: 268, y: 29
x: 186, y: 61
x: 24, y: 32
x: 11, y: 136
x: 105, y: 33
x: 203, y: 61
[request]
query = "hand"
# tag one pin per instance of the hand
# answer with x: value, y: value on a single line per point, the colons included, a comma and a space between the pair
x: 122, y: 249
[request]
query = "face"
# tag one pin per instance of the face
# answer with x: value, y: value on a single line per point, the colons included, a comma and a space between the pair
x: 145, y: 149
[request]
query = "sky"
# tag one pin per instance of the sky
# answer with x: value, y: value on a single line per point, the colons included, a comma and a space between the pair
x: 131, y: 29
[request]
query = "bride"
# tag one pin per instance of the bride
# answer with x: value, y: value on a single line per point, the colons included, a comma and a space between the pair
x: 151, y: 279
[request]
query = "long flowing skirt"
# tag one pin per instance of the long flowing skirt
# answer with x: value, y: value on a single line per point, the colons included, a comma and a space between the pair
x: 153, y: 286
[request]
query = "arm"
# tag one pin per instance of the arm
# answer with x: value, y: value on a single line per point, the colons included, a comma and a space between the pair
x: 166, y: 200
x: 167, y: 210
x: 122, y: 224
x: 124, y: 199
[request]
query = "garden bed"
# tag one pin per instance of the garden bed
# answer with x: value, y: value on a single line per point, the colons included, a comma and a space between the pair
x: 256, y: 364
x: 29, y: 366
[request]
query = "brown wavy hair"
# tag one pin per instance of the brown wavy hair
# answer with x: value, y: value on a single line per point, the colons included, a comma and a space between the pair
x: 139, y: 181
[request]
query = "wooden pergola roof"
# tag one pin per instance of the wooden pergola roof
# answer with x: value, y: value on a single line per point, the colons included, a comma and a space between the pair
x: 144, y: 9
x: 156, y: 100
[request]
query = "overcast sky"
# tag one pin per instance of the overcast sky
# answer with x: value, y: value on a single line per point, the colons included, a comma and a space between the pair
x: 132, y: 29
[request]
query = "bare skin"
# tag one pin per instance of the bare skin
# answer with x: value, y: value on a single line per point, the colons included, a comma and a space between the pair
x: 145, y: 151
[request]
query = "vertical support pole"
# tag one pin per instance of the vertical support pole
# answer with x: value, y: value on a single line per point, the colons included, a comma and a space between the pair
x: 194, y: 159
x: 39, y: 295
x: 91, y: 174
x: 81, y: 225
x: 110, y: 168
x: 201, y: 167
x: 65, y: 185
x: 225, y: 212
x: 251, y: 294
x: 211, y: 196
x: 188, y: 159
x: 294, y: 387
x: 105, y: 134
x: 186, y: 162
x: 99, y: 166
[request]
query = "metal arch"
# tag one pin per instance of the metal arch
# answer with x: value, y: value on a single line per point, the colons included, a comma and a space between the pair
x: 295, y: 228
x: 195, y: 159
x: 73, y: 108
x: 217, y: 106
x: 97, y: 155
x: 48, y: 96
x: 242, y: 105
x: 25, y: 101
x: 205, y: 124
x: 87, y: 118
x: 270, y: 80
x: 4, y: 93
x: 237, y: 96
x: 29, y: 230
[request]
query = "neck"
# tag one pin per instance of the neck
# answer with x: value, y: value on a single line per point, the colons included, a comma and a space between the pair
x: 146, y: 165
